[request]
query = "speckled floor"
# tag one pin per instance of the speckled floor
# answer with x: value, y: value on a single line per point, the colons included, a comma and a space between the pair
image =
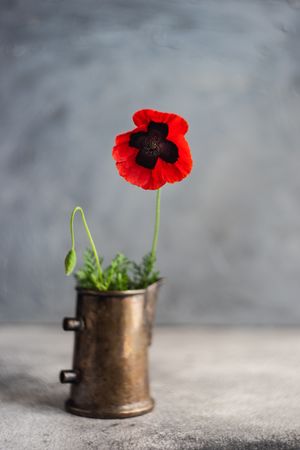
x: 215, y: 388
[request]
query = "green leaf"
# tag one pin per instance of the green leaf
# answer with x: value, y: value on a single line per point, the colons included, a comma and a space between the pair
x: 121, y: 274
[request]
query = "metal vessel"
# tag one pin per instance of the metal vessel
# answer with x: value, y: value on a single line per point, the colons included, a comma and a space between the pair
x: 113, y: 330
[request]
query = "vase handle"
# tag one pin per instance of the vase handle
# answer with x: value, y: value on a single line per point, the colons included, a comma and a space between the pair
x: 69, y: 376
x: 72, y: 324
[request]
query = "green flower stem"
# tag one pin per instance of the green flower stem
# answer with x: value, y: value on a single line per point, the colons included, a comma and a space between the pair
x: 78, y: 208
x: 156, y: 228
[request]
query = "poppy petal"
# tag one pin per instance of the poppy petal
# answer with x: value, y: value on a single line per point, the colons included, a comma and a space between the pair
x: 176, y: 123
x: 137, y: 139
x: 133, y: 173
x: 182, y: 167
x: 123, y: 152
x: 171, y: 173
x: 138, y: 175
x: 168, y: 151
x: 123, y: 137
x: 146, y: 159
x: 185, y: 157
x: 159, y: 128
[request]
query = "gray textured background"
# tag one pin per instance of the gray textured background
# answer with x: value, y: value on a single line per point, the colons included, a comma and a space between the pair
x: 71, y: 75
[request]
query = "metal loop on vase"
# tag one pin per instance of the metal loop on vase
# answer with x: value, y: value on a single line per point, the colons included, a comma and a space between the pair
x: 72, y: 324
x: 69, y: 376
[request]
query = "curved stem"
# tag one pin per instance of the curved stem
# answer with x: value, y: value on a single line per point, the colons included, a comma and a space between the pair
x: 78, y: 208
x: 156, y: 228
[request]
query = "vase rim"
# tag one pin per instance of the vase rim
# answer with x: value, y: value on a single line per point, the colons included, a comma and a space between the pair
x: 126, y: 293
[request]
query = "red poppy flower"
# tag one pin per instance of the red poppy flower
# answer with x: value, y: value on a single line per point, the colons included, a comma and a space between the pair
x: 155, y: 152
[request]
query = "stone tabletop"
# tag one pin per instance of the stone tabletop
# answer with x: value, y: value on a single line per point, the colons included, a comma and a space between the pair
x: 215, y: 388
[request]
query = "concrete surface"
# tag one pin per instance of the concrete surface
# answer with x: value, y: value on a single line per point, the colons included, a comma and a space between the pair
x: 73, y: 72
x: 215, y: 388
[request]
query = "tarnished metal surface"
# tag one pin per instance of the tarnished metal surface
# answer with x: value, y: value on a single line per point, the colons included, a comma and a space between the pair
x: 110, y: 363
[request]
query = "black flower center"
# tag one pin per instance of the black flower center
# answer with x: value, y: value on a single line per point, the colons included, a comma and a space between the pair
x: 153, y: 144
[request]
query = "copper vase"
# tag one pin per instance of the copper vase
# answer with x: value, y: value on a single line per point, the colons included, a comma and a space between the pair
x: 113, y: 330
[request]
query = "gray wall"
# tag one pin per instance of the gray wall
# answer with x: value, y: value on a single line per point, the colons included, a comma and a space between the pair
x: 73, y: 72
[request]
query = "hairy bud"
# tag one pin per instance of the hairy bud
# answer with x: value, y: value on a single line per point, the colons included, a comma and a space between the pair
x: 70, y: 262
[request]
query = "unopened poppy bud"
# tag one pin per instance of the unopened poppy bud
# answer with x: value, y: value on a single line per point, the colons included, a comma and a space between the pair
x: 70, y: 262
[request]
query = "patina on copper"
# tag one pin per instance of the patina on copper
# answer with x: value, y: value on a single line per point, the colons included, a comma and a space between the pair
x: 110, y: 363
